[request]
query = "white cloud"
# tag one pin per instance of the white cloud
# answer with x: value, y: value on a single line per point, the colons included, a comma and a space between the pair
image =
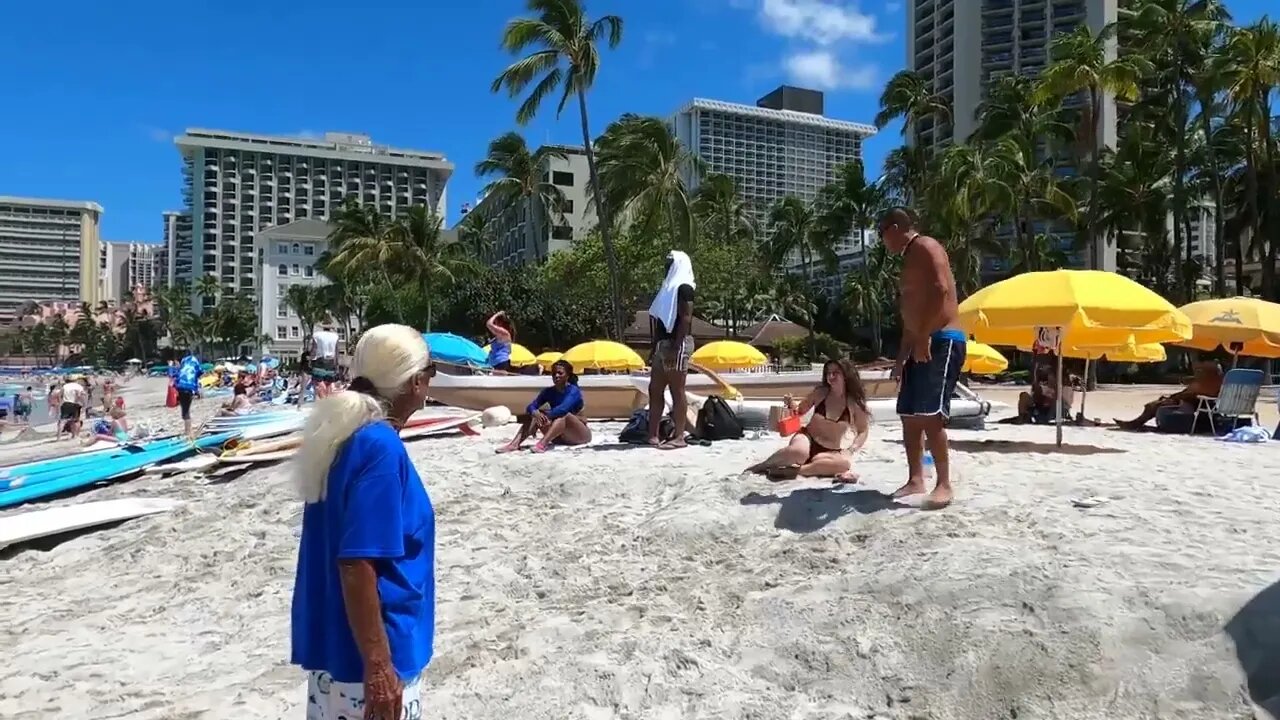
x: 823, y: 22
x: 822, y: 70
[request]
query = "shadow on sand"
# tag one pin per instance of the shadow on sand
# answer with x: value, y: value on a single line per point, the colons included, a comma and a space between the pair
x: 49, y: 542
x: 1255, y: 630
x: 1025, y: 446
x: 807, y: 510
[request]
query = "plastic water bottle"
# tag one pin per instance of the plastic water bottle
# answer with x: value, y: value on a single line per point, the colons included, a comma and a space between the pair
x: 928, y: 465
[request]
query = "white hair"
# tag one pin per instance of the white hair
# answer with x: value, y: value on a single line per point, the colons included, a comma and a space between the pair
x: 387, y: 356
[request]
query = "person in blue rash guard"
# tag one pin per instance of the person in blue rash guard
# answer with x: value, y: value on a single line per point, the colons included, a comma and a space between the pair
x: 561, y: 421
x: 364, y: 595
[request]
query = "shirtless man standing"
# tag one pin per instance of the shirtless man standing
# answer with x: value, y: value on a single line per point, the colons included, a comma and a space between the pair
x: 932, y: 352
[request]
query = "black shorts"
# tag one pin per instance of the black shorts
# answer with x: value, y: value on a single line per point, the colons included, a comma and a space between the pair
x: 184, y: 402
x: 69, y: 411
x: 324, y: 370
x: 504, y: 366
x: 927, y: 387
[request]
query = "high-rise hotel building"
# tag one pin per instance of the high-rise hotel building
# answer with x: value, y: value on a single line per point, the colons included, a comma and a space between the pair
x: 962, y: 46
x: 238, y: 184
x: 49, y: 250
x: 783, y: 145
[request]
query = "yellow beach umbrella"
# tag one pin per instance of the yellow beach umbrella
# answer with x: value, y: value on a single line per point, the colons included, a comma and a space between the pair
x: 728, y: 355
x: 1129, y: 352
x: 520, y: 355
x: 603, y: 355
x: 1241, y: 325
x: 982, y: 359
x: 545, y: 359
x: 1093, y: 308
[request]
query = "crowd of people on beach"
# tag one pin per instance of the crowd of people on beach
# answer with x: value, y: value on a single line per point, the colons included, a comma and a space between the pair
x: 364, y: 594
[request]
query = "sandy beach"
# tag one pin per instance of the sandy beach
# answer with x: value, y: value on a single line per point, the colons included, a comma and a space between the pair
x: 608, y: 582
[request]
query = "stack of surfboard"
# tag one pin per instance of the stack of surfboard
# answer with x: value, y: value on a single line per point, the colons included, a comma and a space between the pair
x: 42, y: 478
x: 258, y: 426
x: 284, y: 448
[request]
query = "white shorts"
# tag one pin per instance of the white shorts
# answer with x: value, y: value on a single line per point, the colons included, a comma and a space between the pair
x: 329, y: 700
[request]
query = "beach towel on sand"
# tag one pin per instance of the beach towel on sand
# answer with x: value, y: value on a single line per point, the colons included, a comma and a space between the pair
x: 664, y: 304
x: 1247, y: 434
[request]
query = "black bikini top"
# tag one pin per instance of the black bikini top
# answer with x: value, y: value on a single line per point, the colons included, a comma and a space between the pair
x: 821, y: 409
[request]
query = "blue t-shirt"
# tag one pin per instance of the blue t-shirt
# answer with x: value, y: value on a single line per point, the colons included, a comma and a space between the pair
x: 560, y: 402
x: 188, y: 379
x: 377, y: 509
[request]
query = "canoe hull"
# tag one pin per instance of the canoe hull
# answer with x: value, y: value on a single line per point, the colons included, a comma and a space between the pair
x: 616, y: 396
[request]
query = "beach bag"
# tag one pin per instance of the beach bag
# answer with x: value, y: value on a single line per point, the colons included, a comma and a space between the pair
x: 171, y: 398
x: 718, y: 421
x: 636, y: 431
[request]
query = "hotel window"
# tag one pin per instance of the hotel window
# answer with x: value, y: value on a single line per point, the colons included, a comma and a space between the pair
x: 282, y: 332
x: 295, y: 270
x: 282, y: 248
x: 308, y: 271
x: 293, y: 332
x: 282, y: 271
x: 308, y: 250
x: 297, y: 249
x: 282, y: 311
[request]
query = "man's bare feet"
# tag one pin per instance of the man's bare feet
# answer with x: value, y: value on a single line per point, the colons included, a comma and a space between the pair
x: 509, y: 447
x: 938, y: 499
x: 847, y: 477
x: 913, y: 487
x: 673, y: 445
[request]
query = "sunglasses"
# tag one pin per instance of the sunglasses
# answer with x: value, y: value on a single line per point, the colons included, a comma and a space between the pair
x: 430, y: 370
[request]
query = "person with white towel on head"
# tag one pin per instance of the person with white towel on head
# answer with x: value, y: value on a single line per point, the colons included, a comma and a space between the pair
x: 670, y: 318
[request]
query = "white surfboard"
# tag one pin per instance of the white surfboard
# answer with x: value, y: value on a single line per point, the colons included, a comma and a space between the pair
x: 34, y: 524
x: 270, y: 455
x: 200, y: 462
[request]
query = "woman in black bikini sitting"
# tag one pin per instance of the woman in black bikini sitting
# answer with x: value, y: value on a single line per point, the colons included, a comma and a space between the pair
x: 839, y: 426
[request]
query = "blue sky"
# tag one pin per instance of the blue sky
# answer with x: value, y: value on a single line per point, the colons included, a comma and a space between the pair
x: 94, y: 91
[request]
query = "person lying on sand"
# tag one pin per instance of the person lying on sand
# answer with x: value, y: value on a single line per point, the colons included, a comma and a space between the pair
x: 113, y: 428
x: 1206, y: 380
x: 561, y: 423
x: 823, y: 447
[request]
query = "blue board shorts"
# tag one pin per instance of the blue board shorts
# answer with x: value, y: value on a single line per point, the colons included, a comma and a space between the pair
x: 927, y: 386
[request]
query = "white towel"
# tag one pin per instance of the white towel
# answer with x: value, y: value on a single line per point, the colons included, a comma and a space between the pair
x: 664, y: 303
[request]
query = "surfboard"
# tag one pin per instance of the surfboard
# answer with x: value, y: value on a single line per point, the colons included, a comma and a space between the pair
x: 195, y: 464
x: 415, y: 428
x: 22, y: 527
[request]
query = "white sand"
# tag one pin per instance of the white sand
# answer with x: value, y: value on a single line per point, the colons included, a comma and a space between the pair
x: 604, y: 583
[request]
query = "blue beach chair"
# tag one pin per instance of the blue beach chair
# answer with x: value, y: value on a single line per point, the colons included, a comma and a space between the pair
x: 1236, y: 400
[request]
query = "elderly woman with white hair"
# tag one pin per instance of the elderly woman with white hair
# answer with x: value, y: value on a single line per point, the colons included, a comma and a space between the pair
x: 364, y: 595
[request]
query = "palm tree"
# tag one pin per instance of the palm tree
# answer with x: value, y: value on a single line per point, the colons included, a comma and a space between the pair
x: 1178, y: 36
x: 566, y: 59
x: 642, y: 173
x: 209, y: 289
x: 1082, y: 63
x: 797, y: 232
x: 421, y: 254
x: 909, y: 96
x: 852, y: 204
x: 311, y: 303
x: 520, y: 178
x: 723, y: 214
x: 967, y: 200
x: 1251, y: 71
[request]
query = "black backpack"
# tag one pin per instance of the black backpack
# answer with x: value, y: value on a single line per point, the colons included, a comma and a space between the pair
x: 717, y: 421
x: 636, y: 431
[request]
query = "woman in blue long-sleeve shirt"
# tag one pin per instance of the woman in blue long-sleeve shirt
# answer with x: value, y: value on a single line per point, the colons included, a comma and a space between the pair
x: 560, y: 422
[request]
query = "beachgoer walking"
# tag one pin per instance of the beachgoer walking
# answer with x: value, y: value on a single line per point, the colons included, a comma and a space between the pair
x: 670, y: 318
x: 187, y: 382
x: 304, y: 376
x: 838, y: 428
x: 932, y: 352
x: 324, y: 360
x: 71, y: 410
x: 364, y: 596
x: 503, y: 332
x: 24, y: 404
x: 561, y: 423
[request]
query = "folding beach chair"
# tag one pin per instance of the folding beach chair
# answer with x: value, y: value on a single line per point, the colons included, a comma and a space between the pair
x: 1236, y: 400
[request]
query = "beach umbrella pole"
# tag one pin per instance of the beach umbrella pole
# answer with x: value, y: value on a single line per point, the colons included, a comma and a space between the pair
x: 1058, y: 405
x: 1084, y: 395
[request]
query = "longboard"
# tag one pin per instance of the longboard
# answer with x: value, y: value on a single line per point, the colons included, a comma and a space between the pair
x: 35, y: 524
x: 414, y: 429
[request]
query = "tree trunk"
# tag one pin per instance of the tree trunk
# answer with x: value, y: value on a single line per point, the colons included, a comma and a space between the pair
x: 1271, y: 217
x: 1251, y: 198
x: 1219, y: 220
x: 1181, y: 226
x: 606, y: 232
x: 1091, y: 238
